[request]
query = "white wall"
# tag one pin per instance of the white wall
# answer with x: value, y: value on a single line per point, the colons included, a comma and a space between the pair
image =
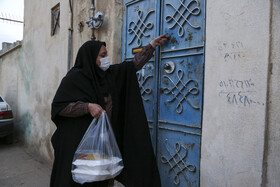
x: 36, y: 70
x: 272, y: 151
x: 110, y: 30
x: 240, y: 133
x: 234, y: 117
x: 43, y: 64
x: 9, y: 78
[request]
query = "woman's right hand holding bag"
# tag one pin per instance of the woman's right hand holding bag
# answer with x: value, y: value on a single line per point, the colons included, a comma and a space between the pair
x: 95, y: 110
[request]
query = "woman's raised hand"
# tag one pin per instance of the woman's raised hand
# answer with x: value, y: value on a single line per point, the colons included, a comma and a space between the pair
x: 95, y: 110
x: 159, y: 41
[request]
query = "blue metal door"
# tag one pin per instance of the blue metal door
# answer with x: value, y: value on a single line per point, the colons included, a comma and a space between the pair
x: 171, y: 83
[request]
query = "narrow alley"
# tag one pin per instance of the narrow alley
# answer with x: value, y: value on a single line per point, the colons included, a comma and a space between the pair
x: 20, y: 167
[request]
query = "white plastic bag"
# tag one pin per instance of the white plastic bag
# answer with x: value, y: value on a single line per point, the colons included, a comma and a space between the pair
x: 98, y: 157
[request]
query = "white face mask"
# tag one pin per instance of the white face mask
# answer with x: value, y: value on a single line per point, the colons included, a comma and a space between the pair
x: 105, y: 63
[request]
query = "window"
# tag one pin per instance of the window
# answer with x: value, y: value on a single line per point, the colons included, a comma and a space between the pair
x: 55, y: 20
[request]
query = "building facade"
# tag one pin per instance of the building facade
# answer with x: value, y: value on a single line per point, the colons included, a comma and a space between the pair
x: 211, y: 94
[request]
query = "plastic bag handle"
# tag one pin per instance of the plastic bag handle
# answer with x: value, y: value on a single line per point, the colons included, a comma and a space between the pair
x: 104, y: 116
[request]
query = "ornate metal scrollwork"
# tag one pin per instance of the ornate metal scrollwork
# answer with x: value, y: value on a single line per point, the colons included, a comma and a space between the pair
x: 142, y: 79
x: 176, y: 86
x: 139, y: 28
x: 181, y: 19
x: 177, y: 162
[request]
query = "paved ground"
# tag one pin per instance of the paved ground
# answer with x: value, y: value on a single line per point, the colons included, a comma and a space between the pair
x: 21, y: 168
x: 18, y: 167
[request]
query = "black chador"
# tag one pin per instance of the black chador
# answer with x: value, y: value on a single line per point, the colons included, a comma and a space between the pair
x: 86, y: 82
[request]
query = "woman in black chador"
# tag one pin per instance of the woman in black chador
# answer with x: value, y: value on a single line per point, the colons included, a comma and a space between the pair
x: 91, y: 87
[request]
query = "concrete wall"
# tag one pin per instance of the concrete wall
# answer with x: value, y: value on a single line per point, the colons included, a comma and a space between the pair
x: 240, y: 133
x: 110, y: 31
x: 38, y: 67
x: 272, y: 151
x: 81, y: 12
x: 9, y: 78
x: 43, y: 64
x: 236, y: 75
x: 45, y: 58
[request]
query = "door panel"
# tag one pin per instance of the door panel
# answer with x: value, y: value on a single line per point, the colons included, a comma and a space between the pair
x: 146, y: 79
x: 171, y: 83
x: 140, y: 28
x: 181, y: 88
x: 184, y: 21
x: 178, y: 162
x: 181, y: 91
x: 139, y: 25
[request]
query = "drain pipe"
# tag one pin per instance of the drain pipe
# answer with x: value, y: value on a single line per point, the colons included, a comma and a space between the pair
x: 70, y: 30
x: 92, y: 9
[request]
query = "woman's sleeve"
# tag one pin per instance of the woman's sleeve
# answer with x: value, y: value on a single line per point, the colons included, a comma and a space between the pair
x: 75, y: 109
x: 141, y: 58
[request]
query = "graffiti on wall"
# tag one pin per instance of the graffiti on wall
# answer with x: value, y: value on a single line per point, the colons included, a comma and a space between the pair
x: 239, y: 92
x: 232, y: 51
x: 236, y: 91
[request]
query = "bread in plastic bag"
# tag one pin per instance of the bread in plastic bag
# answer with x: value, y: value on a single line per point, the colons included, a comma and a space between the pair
x: 97, y: 157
